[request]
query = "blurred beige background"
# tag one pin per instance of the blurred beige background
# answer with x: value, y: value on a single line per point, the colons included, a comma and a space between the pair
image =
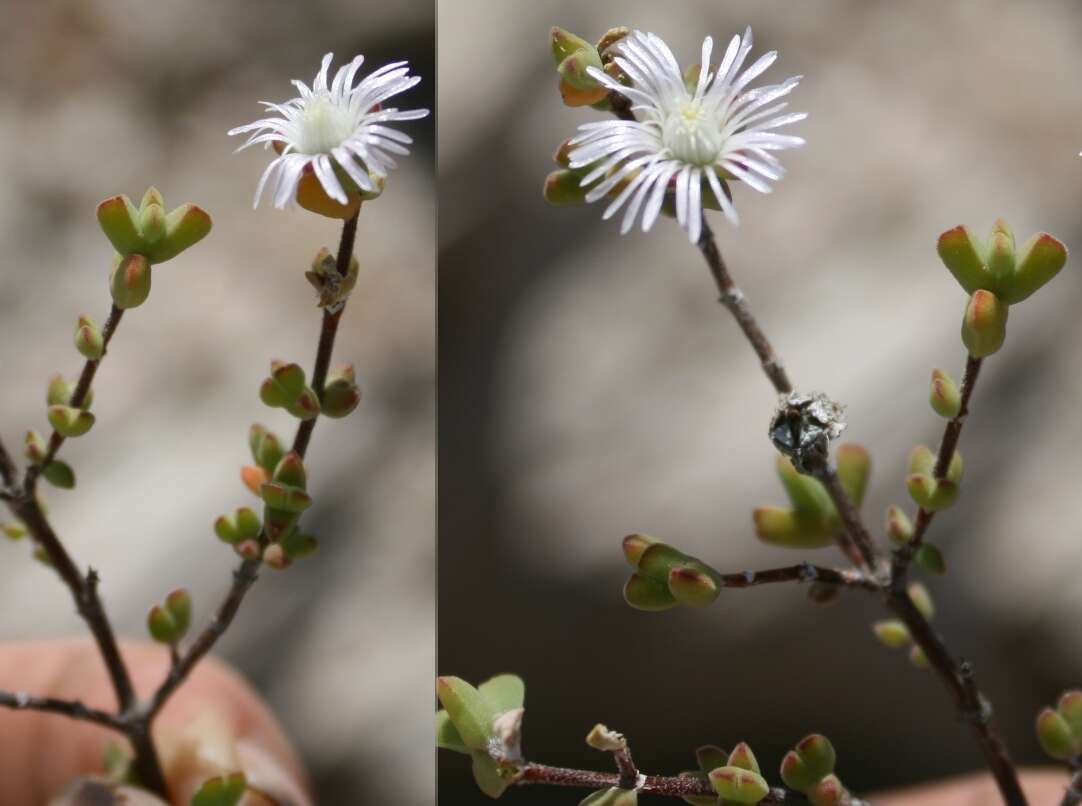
x: 591, y: 386
x: 101, y: 97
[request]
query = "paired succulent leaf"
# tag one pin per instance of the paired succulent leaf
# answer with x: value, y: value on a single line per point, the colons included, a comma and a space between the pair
x: 469, y: 723
x: 242, y: 525
x: 341, y: 393
x: 924, y: 488
x: 169, y: 622
x: 996, y: 276
x: 665, y: 577
x: 812, y: 520
x: 147, y: 230
x: 1059, y: 730
x: 809, y: 768
x: 286, y: 389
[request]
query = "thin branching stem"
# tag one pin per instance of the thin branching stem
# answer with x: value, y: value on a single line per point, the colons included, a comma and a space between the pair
x: 78, y: 397
x: 956, y: 675
x: 948, y: 444
x: 246, y: 573
x: 737, y: 304
x: 675, y: 786
x: 20, y: 701
x: 802, y: 572
x: 84, y: 587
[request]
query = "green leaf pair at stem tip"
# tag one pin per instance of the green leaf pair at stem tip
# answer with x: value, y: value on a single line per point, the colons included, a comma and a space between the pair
x: 168, y: 622
x: 996, y: 275
x: 666, y: 577
x: 144, y: 237
x: 1059, y: 729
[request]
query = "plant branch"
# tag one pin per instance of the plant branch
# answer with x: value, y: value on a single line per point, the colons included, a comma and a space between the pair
x: 245, y: 575
x: 243, y: 578
x: 327, y: 335
x: 78, y: 397
x: 948, y: 444
x: 21, y: 701
x: 676, y: 786
x: 802, y: 572
x: 733, y: 299
x: 957, y: 676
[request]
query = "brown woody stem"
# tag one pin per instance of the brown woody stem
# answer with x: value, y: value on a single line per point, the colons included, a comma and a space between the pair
x: 676, y: 786
x: 957, y: 676
x: 247, y: 572
x: 20, y: 701
x: 733, y: 299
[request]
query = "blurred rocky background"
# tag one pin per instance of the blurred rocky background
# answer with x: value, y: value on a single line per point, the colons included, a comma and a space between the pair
x: 591, y: 386
x: 107, y: 96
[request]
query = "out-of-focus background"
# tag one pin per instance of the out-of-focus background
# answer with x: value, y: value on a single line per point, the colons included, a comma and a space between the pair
x: 591, y: 386
x: 102, y: 97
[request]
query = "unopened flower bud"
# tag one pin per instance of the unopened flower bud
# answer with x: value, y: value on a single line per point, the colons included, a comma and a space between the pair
x: 918, y: 658
x: 564, y: 187
x: 275, y: 556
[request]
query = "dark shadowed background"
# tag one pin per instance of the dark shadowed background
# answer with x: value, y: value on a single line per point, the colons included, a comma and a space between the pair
x: 104, y: 97
x: 591, y: 386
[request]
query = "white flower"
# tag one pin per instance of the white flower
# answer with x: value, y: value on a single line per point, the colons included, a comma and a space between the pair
x: 680, y: 138
x: 336, y: 125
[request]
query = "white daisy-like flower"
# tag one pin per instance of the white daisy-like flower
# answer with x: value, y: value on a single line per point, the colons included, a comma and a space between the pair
x: 681, y: 139
x: 335, y: 126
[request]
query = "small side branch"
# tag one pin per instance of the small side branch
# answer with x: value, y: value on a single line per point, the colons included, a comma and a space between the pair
x: 803, y: 572
x: 948, y: 444
x: 78, y: 397
x: 733, y: 299
x: 327, y: 335
x: 84, y: 590
x: 243, y: 578
x: 675, y: 786
x: 21, y: 701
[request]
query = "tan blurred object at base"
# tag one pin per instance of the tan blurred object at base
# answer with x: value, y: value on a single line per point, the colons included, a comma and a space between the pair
x: 1042, y: 786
